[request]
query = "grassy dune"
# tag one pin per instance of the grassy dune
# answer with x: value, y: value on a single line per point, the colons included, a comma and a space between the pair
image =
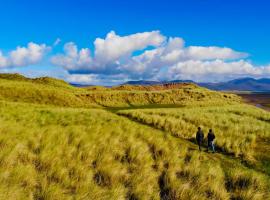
x: 237, y: 127
x: 67, y: 153
x: 56, y: 92
x: 62, y: 142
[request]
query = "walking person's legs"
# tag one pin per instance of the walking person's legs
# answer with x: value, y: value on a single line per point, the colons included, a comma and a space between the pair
x: 213, y: 146
x: 199, y: 144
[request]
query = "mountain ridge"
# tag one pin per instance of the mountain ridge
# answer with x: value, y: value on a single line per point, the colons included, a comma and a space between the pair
x: 241, y: 84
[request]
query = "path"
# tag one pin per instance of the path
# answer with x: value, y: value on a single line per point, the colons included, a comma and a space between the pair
x: 229, y: 161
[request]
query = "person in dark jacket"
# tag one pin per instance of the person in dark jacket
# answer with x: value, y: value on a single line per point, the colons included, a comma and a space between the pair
x: 199, y: 137
x: 210, y: 138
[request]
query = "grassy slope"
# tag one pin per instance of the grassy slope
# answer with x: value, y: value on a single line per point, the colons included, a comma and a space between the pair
x: 236, y: 126
x: 64, y: 153
x: 50, y: 150
x: 56, y: 92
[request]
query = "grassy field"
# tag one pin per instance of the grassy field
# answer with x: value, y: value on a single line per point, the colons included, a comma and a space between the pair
x: 61, y: 145
x: 237, y: 127
x: 64, y: 153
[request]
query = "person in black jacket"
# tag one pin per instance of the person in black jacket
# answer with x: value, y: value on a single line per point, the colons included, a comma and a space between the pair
x: 210, y: 138
x: 199, y: 137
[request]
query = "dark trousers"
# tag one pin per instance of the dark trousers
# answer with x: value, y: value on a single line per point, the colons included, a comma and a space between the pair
x: 199, y: 144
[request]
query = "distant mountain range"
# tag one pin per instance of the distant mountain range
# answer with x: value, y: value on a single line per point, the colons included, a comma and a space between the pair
x: 243, y: 84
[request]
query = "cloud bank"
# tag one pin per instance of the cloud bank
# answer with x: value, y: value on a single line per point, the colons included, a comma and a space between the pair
x: 148, y: 55
x: 151, y: 55
x: 23, y: 56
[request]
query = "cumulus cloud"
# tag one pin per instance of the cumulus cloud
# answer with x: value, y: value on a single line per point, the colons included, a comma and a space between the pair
x: 3, y: 60
x: 151, y: 55
x: 73, y: 58
x: 82, y: 78
x: 24, y: 56
x: 210, y: 53
x: 109, y: 53
x: 113, y: 47
x: 147, y: 55
x: 216, y: 70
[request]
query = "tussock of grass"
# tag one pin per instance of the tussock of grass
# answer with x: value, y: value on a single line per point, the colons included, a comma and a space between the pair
x: 73, y: 153
x: 236, y: 127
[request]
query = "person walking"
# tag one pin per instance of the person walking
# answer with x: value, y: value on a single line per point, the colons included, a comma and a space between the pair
x: 210, y: 139
x: 199, y: 137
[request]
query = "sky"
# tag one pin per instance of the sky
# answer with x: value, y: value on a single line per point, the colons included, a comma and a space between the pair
x: 108, y: 42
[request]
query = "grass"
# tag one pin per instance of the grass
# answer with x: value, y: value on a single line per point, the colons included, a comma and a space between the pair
x: 237, y: 127
x: 50, y: 91
x: 62, y: 142
x: 63, y: 153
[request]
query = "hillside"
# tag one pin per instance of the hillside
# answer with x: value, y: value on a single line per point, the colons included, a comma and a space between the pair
x: 57, y: 92
x: 243, y: 84
x: 57, y: 153
x: 137, y: 143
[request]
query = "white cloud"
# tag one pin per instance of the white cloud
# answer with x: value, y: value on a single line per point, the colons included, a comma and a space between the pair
x: 147, y: 55
x: 73, y: 58
x: 3, y: 60
x: 208, y: 71
x: 109, y: 52
x: 209, y: 53
x: 81, y: 78
x: 24, y: 56
x: 114, y: 47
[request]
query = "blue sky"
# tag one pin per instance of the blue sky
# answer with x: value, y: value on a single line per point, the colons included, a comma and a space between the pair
x: 242, y: 26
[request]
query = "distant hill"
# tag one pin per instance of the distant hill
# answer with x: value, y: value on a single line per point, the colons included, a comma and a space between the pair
x: 143, y: 82
x: 14, y: 87
x: 243, y: 84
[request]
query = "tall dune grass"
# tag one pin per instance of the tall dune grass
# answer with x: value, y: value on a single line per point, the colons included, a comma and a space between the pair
x: 56, y: 92
x: 72, y: 153
x: 236, y: 126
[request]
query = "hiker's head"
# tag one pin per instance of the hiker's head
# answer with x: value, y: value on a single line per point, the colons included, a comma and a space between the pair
x: 210, y: 130
x: 199, y: 128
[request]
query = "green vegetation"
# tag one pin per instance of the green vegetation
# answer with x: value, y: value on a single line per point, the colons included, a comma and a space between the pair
x: 62, y: 153
x: 55, y: 145
x: 56, y: 92
x: 236, y: 126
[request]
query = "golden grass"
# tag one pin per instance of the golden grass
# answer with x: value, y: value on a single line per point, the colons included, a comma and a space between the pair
x: 74, y: 153
x: 236, y: 126
x: 55, y: 145
x: 56, y: 92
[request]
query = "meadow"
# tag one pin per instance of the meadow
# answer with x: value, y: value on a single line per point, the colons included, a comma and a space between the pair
x: 237, y: 127
x: 68, y: 153
x: 79, y: 149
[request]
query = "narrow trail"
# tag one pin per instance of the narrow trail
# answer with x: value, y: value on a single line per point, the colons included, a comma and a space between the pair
x: 228, y: 161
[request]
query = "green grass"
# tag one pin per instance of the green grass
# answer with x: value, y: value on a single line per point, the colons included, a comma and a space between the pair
x: 50, y: 91
x: 62, y: 142
x: 64, y: 153
x: 237, y: 127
